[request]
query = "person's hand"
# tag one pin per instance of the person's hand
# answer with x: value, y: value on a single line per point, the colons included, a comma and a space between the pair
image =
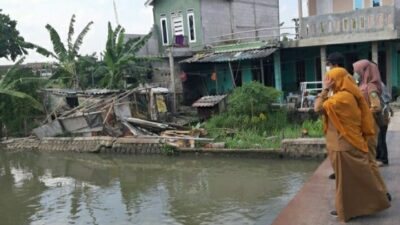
x: 328, y: 83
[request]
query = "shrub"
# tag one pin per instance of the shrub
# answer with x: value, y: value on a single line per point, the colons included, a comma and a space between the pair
x: 252, y: 99
x: 314, y: 128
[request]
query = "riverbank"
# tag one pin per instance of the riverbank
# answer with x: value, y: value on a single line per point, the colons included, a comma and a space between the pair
x: 290, y: 148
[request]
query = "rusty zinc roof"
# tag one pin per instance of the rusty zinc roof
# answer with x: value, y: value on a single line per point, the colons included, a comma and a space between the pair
x: 208, y: 101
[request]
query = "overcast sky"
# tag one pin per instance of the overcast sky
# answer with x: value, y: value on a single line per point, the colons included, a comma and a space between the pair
x: 33, y: 15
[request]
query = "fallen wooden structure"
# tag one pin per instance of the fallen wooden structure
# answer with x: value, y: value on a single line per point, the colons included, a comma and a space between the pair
x: 132, y: 113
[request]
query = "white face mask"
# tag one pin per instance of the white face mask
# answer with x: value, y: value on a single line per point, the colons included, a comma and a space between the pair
x: 328, y: 68
x: 357, y: 77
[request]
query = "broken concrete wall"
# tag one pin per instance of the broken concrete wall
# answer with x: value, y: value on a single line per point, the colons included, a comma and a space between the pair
x: 161, y: 74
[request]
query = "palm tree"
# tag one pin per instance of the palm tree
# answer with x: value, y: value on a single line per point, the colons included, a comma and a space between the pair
x: 119, y: 55
x: 66, y: 57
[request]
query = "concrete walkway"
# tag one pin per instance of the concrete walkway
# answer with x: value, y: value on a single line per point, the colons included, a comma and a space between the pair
x: 311, y: 206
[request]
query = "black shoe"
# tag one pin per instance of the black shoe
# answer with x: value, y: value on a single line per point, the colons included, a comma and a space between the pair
x: 332, y: 176
x: 334, y: 213
x: 389, y: 196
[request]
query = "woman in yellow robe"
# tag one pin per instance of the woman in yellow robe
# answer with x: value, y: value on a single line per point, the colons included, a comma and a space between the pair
x: 348, y: 125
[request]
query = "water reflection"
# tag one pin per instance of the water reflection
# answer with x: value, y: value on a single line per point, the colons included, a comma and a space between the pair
x: 38, y: 188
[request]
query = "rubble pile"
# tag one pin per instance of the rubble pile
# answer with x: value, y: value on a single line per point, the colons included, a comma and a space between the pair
x: 137, y: 113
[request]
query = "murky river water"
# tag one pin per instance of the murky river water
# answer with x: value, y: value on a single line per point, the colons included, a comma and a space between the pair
x: 39, y: 188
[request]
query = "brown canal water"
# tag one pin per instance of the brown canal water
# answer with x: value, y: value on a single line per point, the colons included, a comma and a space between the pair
x: 43, y: 188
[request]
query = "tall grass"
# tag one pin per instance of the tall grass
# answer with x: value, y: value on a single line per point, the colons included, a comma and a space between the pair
x: 262, y: 131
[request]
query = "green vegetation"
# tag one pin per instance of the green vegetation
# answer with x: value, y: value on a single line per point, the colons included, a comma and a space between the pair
x: 19, y: 86
x: 252, y: 99
x: 120, y: 59
x: 259, y: 126
x: 12, y: 44
x: 255, y: 132
x: 18, y: 99
x: 67, y: 57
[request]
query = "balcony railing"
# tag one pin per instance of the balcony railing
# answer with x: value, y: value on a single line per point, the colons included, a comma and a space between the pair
x: 269, y: 34
x: 359, y: 21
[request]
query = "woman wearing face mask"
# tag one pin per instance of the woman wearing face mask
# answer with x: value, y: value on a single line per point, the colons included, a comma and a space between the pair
x: 370, y: 84
x: 348, y: 123
x: 334, y: 60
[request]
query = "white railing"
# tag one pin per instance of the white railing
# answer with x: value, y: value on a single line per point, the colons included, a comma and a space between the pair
x: 264, y: 34
x: 358, y: 21
x: 307, y: 95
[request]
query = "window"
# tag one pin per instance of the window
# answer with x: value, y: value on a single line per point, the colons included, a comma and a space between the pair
x: 376, y: 3
x: 191, y: 27
x: 164, y: 31
x: 358, y: 4
x: 177, y: 25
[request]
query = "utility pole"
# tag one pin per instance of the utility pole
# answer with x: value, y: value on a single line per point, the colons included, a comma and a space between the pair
x: 172, y: 76
x: 300, y: 8
x: 116, y: 12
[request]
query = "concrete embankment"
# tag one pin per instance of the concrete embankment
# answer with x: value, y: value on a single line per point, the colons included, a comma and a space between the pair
x: 316, y: 199
x: 291, y: 148
x: 86, y: 145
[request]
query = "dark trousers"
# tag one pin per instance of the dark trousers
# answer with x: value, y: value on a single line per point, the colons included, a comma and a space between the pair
x: 381, y: 150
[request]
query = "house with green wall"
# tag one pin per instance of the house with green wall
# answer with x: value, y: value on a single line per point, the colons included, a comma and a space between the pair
x: 217, y: 45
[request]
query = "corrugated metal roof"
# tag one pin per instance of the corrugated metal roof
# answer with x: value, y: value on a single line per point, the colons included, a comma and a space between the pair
x: 70, y: 92
x: 230, y: 56
x: 208, y: 101
x: 252, y: 45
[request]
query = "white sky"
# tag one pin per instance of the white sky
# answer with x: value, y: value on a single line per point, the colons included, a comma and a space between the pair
x: 33, y: 15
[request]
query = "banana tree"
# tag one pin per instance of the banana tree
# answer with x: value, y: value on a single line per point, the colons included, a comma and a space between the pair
x: 66, y: 56
x: 120, y: 56
x: 10, y: 80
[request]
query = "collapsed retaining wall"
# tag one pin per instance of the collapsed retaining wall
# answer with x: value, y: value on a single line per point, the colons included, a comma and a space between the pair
x: 291, y: 148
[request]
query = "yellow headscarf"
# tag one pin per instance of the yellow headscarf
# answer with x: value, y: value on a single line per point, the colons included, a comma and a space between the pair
x: 348, y: 110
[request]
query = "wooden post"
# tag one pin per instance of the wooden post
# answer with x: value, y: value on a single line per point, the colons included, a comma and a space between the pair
x: 232, y: 76
x: 149, y: 103
x: 172, y: 75
x: 136, y: 104
x: 216, y: 79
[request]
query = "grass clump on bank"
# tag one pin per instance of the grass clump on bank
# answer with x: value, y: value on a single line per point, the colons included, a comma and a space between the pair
x: 252, y: 123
